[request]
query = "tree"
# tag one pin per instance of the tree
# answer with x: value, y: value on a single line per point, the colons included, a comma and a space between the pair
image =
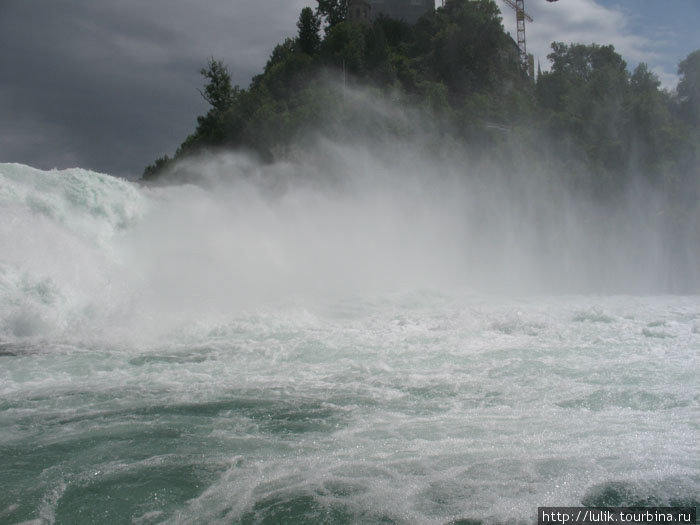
x: 281, y: 53
x: 345, y: 46
x: 308, y: 26
x: 689, y: 88
x: 333, y: 12
x: 650, y: 130
x: 152, y: 170
x: 586, y: 92
x: 643, y: 80
x: 221, y: 95
x: 469, y: 50
x: 218, y: 91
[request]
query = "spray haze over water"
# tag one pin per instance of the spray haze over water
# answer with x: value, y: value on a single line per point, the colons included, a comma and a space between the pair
x: 347, y: 219
x: 366, y: 333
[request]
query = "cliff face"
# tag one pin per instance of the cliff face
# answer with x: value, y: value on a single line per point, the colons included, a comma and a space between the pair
x: 408, y: 10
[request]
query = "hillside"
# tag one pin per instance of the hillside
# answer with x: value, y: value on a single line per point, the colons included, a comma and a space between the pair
x: 454, y: 78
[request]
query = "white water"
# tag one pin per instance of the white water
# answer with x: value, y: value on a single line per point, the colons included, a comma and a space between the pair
x: 264, y: 353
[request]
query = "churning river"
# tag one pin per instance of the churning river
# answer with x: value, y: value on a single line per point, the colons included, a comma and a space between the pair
x: 124, y: 399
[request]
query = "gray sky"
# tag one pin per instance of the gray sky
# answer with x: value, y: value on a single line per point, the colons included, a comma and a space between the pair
x: 110, y: 85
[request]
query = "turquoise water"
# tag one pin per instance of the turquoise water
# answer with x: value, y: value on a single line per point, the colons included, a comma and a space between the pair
x: 415, y: 408
x: 182, y: 356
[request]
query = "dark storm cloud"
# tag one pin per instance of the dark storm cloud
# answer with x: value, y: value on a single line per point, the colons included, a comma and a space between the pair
x: 110, y: 85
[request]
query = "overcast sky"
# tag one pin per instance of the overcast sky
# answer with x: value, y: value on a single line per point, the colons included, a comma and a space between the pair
x: 110, y: 85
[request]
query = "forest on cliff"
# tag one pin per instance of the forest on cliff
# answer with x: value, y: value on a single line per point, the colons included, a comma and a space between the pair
x: 453, y: 80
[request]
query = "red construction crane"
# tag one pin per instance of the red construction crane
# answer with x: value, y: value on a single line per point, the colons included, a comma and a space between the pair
x: 521, y: 16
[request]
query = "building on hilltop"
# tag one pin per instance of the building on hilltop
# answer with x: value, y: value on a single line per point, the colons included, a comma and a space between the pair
x: 359, y: 10
x: 407, y: 10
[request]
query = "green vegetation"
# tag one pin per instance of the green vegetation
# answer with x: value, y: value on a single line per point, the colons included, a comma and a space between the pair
x: 456, y: 73
x: 618, y: 124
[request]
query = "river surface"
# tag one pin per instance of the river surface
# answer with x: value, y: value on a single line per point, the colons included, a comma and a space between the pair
x: 414, y: 408
x: 134, y: 392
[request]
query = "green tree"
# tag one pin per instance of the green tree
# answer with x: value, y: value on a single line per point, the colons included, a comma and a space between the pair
x: 345, y: 46
x: 221, y: 95
x: 153, y: 170
x: 651, y: 135
x: 643, y: 80
x: 281, y: 53
x: 468, y: 49
x: 689, y: 88
x: 308, y: 26
x: 585, y: 95
x: 688, y: 111
x: 333, y: 12
x: 218, y: 92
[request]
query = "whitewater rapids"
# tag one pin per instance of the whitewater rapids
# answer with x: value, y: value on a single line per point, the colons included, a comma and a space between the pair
x: 170, y: 356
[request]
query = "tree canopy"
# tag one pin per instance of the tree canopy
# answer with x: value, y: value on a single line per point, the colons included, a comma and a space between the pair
x: 689, y: 88
x: 308, y: 26
x: 459, y: 70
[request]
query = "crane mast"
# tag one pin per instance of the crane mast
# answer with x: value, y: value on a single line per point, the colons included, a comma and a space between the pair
x: 521, y: 16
